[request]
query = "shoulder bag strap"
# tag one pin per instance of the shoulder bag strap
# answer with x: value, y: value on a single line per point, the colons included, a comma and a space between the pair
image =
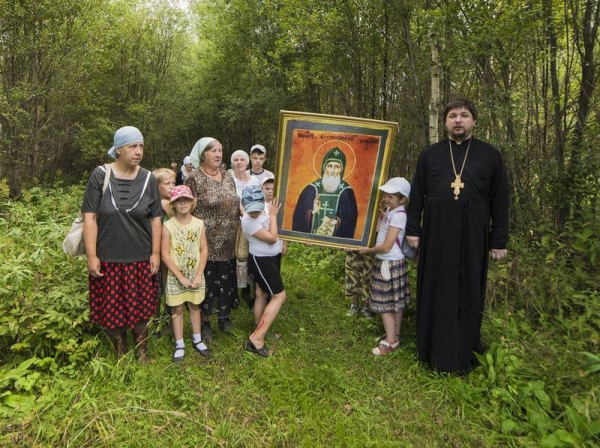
x: 107, y: 171
x: 398, y: 242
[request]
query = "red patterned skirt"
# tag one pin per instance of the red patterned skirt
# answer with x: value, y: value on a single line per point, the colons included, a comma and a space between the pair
x: 124, y: 296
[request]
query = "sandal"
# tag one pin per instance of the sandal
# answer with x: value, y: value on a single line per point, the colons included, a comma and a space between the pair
x: 201, y: 348
x: 178, y: 354
x: 263, y: 351
x: 385, y: 348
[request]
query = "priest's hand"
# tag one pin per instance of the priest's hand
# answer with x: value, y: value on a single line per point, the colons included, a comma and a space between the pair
x: 413, y: 241
x: 498, y: 254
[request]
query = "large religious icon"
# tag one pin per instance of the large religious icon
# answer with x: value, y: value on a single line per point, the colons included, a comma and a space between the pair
x: 327, y: 176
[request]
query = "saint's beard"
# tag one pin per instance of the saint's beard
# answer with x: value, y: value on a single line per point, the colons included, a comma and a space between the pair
x: 331, y: 183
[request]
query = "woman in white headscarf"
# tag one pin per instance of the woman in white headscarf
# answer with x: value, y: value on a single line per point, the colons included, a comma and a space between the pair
x: 187, y: 169
x: 219, y: 208
x: 122, y: 230
x: 239, y: 163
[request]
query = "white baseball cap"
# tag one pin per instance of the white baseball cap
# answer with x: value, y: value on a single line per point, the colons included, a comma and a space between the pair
x: 397, y: 185
x: 267, y: 179
x: 260, y: 148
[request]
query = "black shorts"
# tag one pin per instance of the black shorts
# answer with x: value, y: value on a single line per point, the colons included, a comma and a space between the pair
x: 267, y: 273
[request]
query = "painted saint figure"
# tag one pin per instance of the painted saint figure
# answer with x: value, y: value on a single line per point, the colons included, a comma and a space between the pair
x: 327, y: 206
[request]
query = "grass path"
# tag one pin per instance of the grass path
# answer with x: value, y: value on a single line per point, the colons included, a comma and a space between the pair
x: 60, y: 385
x: 322, y: 387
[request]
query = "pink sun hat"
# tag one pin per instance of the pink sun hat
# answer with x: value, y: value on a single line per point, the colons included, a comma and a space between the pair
x: 181, y: 191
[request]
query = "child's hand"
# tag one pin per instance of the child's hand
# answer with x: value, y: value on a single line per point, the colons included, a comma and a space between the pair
x: 196, y: 282
x: 274, y: 207
x: 185, y: 282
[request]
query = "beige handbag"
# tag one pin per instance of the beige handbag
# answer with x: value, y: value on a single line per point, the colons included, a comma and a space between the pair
x: 241, y: 244
x: 73, y: 244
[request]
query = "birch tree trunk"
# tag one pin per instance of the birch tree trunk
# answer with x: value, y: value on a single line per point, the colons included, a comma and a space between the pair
x: 434, y: 109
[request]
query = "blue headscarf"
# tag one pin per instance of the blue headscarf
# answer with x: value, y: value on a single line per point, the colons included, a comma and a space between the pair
x: 125, y: 136
x: 198, y: 149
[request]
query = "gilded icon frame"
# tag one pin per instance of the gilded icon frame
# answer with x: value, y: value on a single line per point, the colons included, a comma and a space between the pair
x: 304, y: 140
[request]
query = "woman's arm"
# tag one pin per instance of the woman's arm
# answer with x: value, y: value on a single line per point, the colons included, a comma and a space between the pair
x: 90, y: 237
x: 156, y: 234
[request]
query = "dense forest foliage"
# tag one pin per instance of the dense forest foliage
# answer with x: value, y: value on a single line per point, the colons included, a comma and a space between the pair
x: 73, y: 71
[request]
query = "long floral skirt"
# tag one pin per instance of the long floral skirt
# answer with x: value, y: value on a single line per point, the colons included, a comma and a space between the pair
x: 221, y: 288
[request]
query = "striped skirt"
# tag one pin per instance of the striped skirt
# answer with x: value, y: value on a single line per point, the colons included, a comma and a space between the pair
x: 389, y: 296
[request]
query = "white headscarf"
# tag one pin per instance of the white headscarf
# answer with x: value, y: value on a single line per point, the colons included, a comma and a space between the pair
x: 186, y: 160
x: 198, y: 150
x: 239, y: 152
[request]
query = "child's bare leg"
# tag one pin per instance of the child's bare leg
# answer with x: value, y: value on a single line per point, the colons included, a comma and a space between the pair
x: 260, y: 303
x: 195, y: 316
x: 389, y: 324
x: 177, y: 317
x: 398, y: 316
x: 268, y: 316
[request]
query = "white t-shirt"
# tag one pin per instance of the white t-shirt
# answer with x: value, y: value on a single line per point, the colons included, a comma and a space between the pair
x: 257, y: 247
x: 241, y: 184
x: 262, y: 176
x: 394, y: 218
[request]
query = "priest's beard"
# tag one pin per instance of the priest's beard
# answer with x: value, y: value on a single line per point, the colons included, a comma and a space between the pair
x: 331, y: 183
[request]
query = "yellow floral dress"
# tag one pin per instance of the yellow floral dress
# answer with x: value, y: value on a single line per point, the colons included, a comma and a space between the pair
x: 185, y: 253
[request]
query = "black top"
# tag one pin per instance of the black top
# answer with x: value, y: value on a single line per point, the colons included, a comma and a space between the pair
x: 123, y: 236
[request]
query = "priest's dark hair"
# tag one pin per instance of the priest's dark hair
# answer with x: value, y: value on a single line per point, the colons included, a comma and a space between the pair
x: 460, y: 103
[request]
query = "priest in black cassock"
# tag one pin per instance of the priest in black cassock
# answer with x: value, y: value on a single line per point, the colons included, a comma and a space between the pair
x: 458, y: 213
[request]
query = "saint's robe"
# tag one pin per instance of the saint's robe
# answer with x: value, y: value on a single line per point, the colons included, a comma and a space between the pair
x: 339, y: 205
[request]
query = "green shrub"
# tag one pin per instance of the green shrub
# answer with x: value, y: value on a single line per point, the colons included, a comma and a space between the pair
x: 44, y: 306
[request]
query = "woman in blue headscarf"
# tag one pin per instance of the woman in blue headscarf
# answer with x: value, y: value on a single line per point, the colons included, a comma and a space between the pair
x: 121, y: 230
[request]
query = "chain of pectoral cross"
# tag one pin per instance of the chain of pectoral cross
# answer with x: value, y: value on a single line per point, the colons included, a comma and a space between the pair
x: 458, y: 183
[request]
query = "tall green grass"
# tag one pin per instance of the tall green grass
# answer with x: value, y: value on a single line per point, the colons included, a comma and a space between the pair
x: 60, y: 385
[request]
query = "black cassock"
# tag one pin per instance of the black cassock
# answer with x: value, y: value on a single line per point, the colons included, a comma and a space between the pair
x: 456, y: 236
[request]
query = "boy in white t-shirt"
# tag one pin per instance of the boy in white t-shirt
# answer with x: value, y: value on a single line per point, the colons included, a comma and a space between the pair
x: 258, y: 156
x: 389, y: 279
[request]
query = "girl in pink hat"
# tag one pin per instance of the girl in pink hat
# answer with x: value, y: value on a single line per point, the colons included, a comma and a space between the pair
x: 185, y: 252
